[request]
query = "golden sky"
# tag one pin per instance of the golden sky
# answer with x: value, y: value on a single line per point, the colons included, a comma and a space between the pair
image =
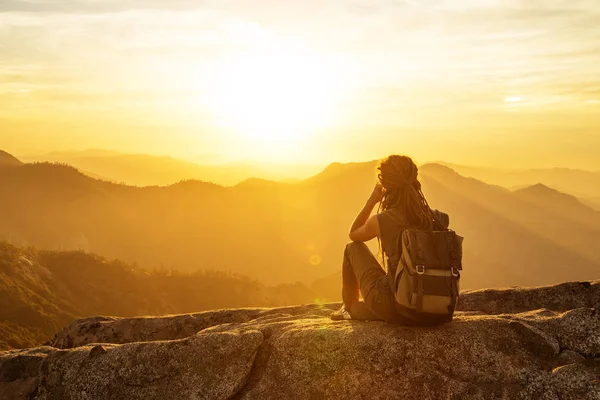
x: 490, y: 82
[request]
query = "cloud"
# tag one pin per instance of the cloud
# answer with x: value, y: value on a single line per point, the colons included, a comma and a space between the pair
x: 95, y: 6
x: 441, y: 52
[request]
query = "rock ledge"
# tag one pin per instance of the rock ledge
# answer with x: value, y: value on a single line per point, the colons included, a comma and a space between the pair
x: 541, y: 343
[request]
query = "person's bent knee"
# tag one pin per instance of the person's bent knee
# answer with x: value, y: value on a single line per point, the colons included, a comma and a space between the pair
x: 353, y: 246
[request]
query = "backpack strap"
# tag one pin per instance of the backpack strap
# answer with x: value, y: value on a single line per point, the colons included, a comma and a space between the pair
x: 453, y: 252
x: 420, y: 272
x: 384, y: 220
x: 420, y: 291
x: 437, y: 225
x: 454, y: 288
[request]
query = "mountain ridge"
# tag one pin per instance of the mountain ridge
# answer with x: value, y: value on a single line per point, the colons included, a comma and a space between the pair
x: 578, y: 182
x: 8, y: 160
x: 155, y: 170
x: 543, y: 193
x: 193, y: 225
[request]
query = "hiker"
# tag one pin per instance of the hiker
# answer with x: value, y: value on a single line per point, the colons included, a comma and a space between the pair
x: 410, y: 293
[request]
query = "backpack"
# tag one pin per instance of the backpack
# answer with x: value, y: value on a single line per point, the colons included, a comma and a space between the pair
x: 428, y: 272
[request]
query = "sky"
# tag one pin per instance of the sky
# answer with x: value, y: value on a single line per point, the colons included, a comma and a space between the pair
x: 513, y: 83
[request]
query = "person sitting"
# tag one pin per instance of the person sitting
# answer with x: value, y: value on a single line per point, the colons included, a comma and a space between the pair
x: 402, y: 205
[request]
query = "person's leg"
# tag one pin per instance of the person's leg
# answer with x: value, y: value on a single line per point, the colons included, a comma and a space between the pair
x: 350, y: 291
x: 361, y: 312
x: 360, y: 271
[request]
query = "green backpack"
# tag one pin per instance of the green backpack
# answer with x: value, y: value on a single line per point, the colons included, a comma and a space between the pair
x: 428, y: 273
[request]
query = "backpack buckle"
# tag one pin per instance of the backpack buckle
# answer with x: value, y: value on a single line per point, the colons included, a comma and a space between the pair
x: 454, y: 272
x: 420, y: 271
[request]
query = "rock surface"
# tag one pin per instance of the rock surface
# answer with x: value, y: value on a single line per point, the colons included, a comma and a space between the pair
x: 539, y: 343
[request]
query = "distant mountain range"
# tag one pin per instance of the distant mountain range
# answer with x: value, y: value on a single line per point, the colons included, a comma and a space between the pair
x: 148, y: 170
x: 582, y: 184
x: 287, y: 232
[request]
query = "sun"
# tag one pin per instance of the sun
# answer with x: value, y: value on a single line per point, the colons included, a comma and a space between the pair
x: 274, y: 98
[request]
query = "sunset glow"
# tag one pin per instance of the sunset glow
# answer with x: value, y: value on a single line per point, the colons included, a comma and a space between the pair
x: 241, y: 199
x: 301, y: 82
x: 275, y: 98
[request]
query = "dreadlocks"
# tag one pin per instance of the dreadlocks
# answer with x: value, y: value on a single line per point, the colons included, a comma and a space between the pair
x: 402, y: 190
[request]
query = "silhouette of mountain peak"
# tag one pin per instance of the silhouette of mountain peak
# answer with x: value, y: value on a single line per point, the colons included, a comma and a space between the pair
x: 437, y: 169
x: 193, y: 183
x: 538, y: 188
x: 541, y: 190
x: 9, y: 160
x: 550, y: 196
x: 337, y: 169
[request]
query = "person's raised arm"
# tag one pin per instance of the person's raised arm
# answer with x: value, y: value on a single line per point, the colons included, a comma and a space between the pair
x: 365, y: 227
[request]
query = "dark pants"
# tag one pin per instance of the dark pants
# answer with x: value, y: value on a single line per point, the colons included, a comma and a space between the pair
x: 361, y: 271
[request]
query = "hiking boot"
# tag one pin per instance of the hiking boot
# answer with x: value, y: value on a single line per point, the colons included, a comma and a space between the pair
x: 340, y: 314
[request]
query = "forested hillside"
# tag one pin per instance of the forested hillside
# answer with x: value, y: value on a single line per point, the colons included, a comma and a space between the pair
x: 42, y: 291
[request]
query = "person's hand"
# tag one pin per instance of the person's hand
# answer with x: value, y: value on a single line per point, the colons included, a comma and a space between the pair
x: 377, y: 194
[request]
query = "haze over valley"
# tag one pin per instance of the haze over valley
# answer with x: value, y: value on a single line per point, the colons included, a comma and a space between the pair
x: 280, y: 232
x: 149, y: 170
